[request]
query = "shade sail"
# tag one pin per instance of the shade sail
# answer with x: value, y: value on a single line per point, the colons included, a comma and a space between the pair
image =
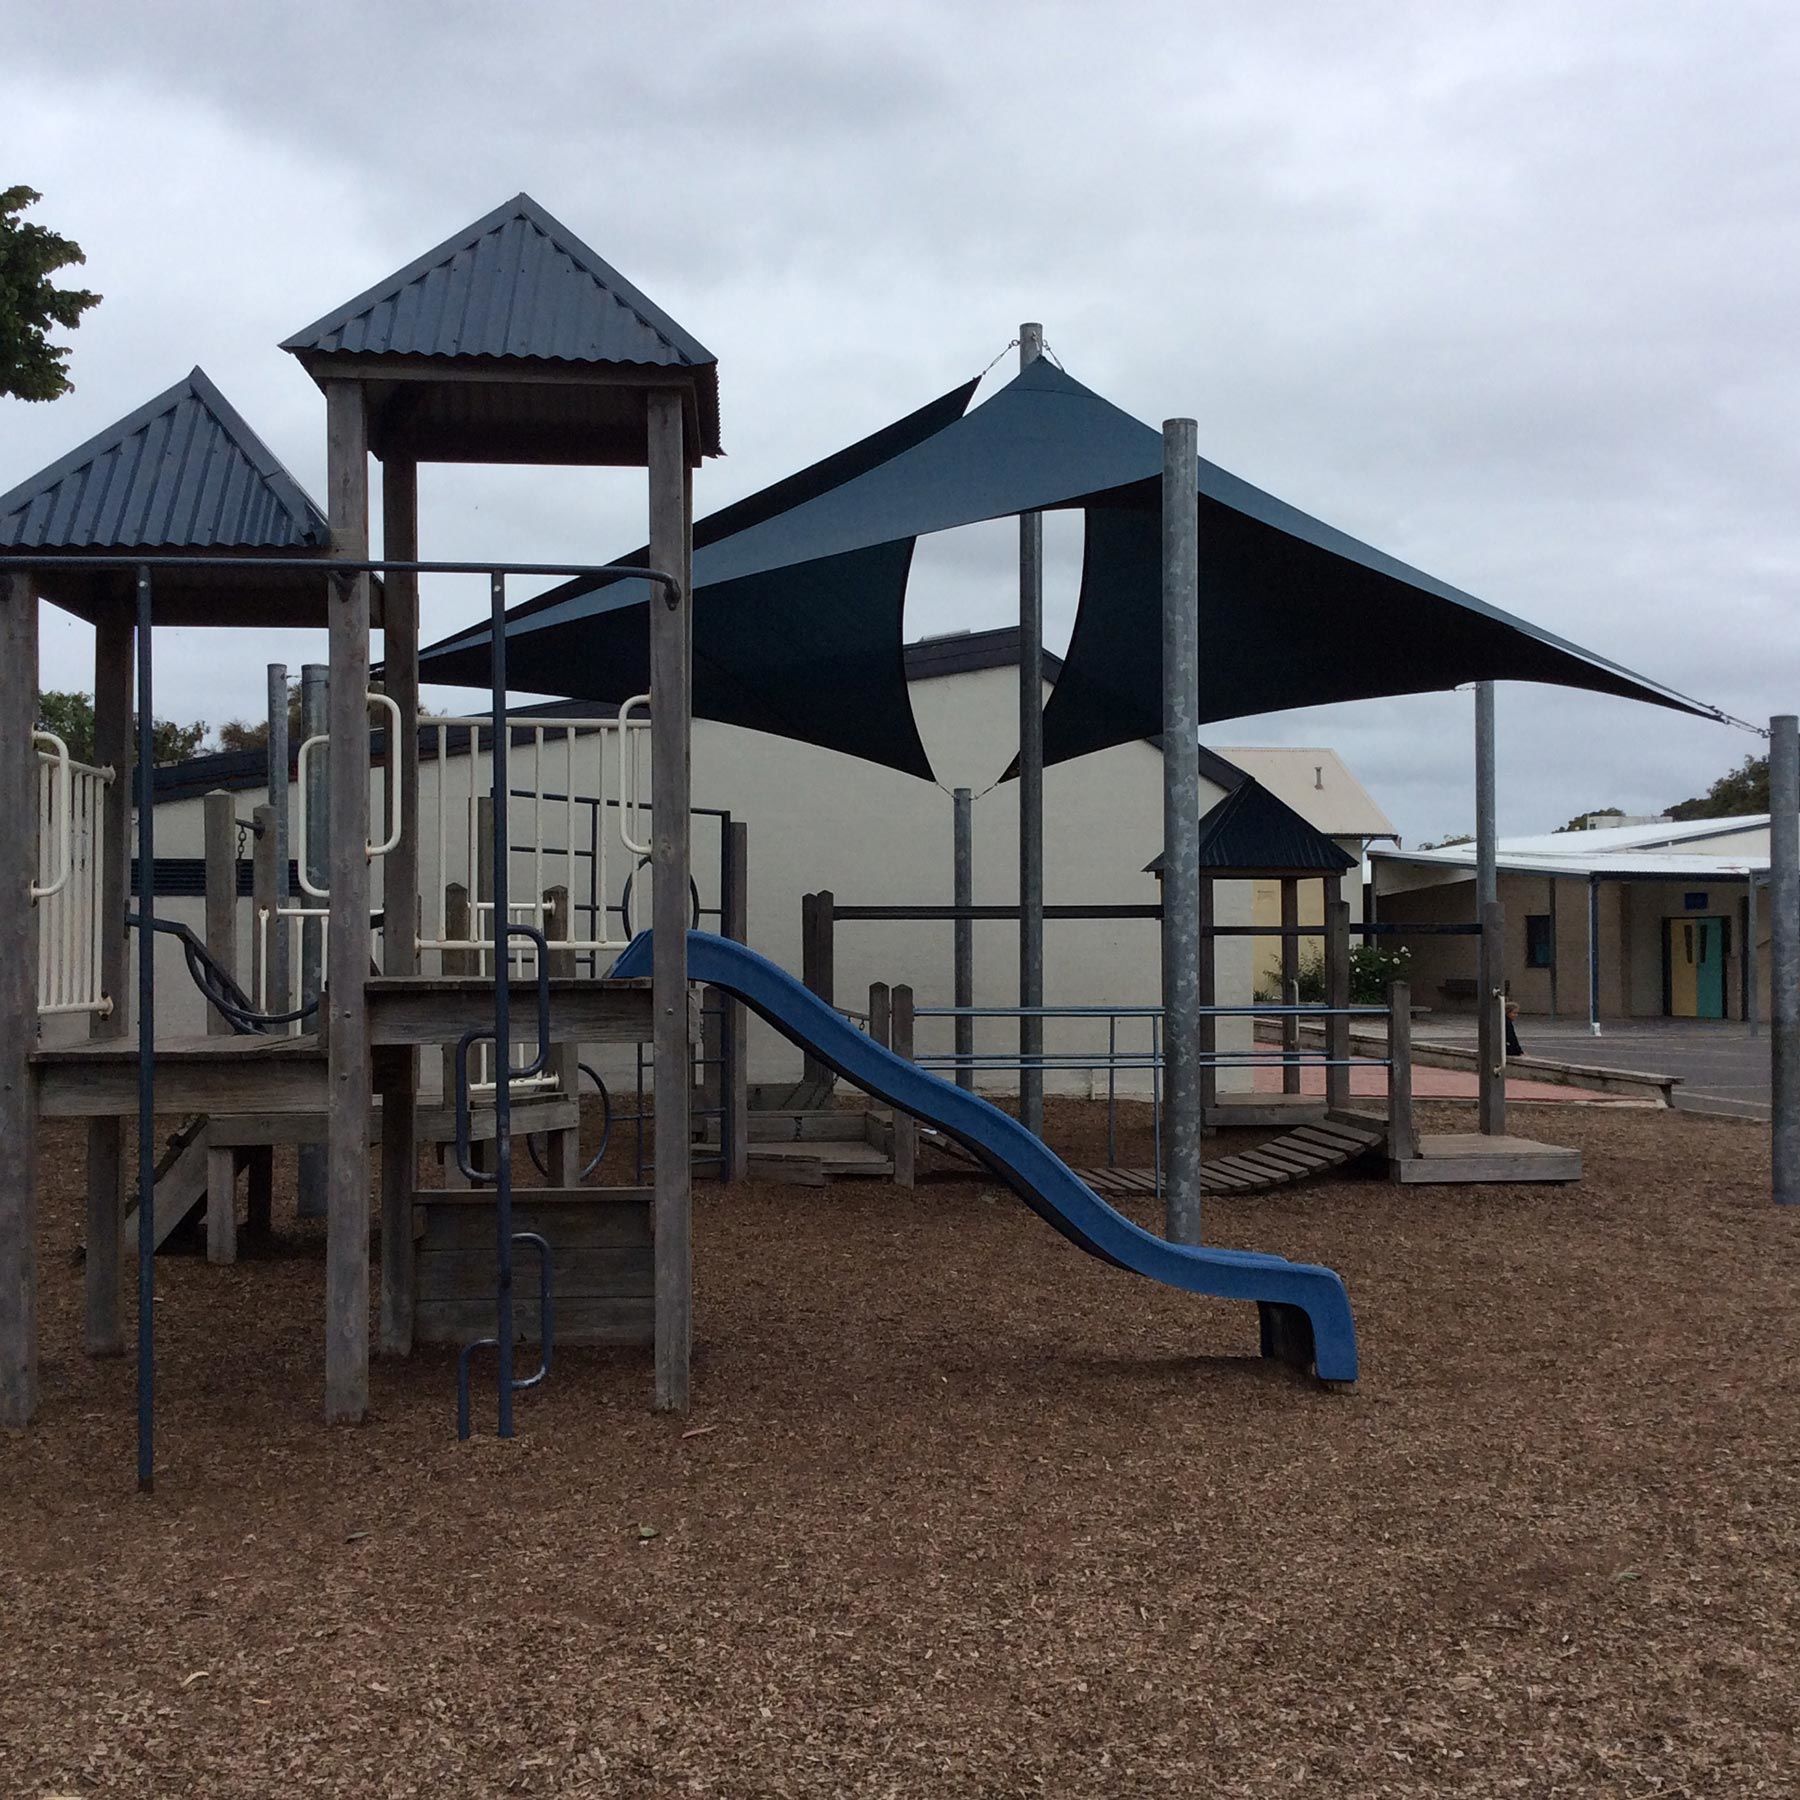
x: 799, y: 592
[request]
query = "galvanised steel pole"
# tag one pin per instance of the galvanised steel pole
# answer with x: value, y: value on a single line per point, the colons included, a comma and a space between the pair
x: 1490, y: 972
x: 279, y: 976
x: 1181, y: 829
x: 1031, y: 788
x: 146, y: 973
x: 1784, y: 956
x: 963, y: 824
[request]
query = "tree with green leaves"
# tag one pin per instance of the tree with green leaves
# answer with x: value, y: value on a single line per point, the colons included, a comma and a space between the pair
x: 71, y: 717
x: 31, y: 367
x: 1744, y: 790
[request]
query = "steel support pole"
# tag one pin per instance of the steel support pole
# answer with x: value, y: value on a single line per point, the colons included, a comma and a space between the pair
x: 280, y: 974
x: 963, y: 813
x: 1181, y: 830
x: 146, y: 1028
x: 1784, y: 956
x: 1752, y: 959
x: 1593, y: 970
x: 1031, y: 786
x: 1490, y: 971
x: 315, y: 696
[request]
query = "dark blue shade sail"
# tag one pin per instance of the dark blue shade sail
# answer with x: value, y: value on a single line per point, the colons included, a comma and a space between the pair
x: 1292, y: 612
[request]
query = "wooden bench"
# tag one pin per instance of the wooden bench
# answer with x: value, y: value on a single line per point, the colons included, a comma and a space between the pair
x: 1459, y: 990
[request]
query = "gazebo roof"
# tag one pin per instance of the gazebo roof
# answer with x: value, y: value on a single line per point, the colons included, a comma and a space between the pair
x: 1250, y: 834
x: 512, y: 341
x: 182, y: 475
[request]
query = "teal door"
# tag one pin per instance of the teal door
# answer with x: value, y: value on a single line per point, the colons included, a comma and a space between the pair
x: 1709, y: 969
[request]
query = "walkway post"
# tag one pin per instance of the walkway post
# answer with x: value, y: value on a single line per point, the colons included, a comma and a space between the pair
x: 1181, y: 830
x: 346, y: 1007
x: 1031, y: 789
x: 1490, y: 973
x: 963, y: 805
x: 1784, y: 955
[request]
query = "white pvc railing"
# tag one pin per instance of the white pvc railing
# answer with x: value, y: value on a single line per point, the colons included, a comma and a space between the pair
x: 561, y: 838
x: 292, y: 920
x: 71, y: 838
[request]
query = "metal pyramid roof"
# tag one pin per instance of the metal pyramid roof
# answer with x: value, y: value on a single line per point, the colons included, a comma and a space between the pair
x: 1250, y: 831
x: 516, y: 285
x: 183, y: 472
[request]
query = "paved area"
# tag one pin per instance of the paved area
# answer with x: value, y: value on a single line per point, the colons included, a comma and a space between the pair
x: 1723, y: 1069
x: 1440, y: 1084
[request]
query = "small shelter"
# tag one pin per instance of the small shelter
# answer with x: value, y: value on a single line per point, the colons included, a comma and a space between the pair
x: 1250, y: 835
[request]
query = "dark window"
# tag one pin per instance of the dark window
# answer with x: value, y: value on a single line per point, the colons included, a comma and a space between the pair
x: 1693, y: 902
x: 1540, y: 946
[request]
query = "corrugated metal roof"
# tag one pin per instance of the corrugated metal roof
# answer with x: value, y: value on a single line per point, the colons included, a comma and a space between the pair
x: 1251, y: 829
x: 182, y: 472
x: 517, y: 283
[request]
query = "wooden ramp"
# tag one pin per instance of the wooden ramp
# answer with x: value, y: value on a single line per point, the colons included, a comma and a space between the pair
x: 1316, y: 1149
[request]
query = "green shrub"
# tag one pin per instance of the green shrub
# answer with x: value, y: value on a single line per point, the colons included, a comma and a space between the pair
x: 1371, y: 970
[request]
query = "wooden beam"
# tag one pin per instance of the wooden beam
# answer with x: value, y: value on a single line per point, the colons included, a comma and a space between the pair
x: 670, y: 735
x: 18, y: 1000
x: 1337, y: 996
x: 113, y: 747
x: 347, y: 951
x: 1290, y: 976
x: 1403, y: 1135
x: 906, y: 1127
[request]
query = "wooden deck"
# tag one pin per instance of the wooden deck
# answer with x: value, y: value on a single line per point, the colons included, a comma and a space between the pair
x: 1466, y: 1158
x: 1279, y: 1112
x: 262, y: 1075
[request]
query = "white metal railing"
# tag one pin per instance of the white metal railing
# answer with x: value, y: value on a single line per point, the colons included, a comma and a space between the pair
x: 293, y: 920
x: 561, y: 838
x: 310, y: 749
x: 71, y: 840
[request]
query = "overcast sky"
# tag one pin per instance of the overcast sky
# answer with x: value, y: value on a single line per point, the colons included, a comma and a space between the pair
x: 1507, y: 291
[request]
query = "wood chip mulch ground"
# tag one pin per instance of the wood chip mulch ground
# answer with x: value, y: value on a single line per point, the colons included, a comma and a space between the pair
x: 961, y: 1512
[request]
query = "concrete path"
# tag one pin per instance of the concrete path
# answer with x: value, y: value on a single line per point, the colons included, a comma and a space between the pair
x: 1722, y: 1068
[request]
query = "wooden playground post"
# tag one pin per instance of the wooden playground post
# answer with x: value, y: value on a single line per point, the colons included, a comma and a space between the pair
x: 219, y: 820
x: 400, y: 900
x: 219, y: 815
x: 18, y: 998
x: 1209, y: 995
x: 1290, y: 978
x: 670, y: 733
x: 1403, y: 1137
x: 881, y: 1014
x: 906, y: 1127
x: 347, y: 944
x: 1337, y: 997
x: 564, y: 1146
x: 264, y: 967
x: 736, y: 901
x: 113, y: 695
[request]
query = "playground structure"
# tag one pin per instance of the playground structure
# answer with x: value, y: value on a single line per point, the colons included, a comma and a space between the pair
x: 584, y: 370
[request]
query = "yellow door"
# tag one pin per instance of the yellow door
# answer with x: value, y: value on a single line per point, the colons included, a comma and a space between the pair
x: 1684, y: 968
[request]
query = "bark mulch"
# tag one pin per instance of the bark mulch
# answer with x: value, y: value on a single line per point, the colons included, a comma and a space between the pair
x: 960, y: 1512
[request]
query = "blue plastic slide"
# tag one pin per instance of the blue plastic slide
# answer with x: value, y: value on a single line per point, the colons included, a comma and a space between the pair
x: 1304, y: 1310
